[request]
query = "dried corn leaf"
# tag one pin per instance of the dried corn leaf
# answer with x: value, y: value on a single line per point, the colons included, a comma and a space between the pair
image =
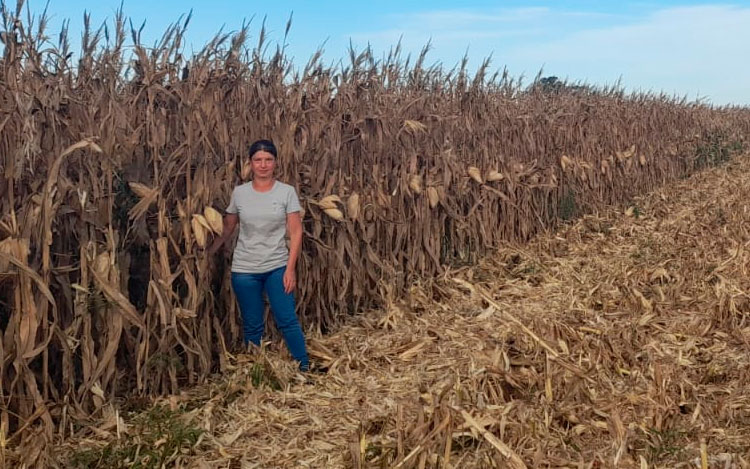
x: 147, y: 195
x: 413, y: 126
x: 141, y: 190
x: 124, y: 305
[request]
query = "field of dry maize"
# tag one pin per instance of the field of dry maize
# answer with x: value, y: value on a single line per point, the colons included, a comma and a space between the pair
x: 115, y: 163
x: 619, y: 340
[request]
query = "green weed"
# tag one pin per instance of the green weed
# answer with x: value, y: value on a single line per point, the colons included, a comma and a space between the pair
x: 156, y: 439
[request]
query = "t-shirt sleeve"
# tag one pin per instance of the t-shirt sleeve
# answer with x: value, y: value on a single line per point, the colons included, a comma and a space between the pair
x: 292, y: 201
x: 232, y: 208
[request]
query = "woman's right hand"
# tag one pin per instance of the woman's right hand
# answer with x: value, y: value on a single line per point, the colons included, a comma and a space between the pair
x: 214, y: 248
x: 230, y: 223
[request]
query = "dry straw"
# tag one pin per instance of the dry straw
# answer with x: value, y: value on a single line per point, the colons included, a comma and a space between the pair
x: 111, y: 169
x: 619, y: 341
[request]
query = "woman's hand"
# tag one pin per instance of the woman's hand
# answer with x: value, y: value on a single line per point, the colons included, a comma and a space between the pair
x: 230, y: 223
x: 290, y: 281
x: 213, y: 248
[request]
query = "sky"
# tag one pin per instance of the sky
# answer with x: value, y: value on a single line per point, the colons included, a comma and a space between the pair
x: 696, y: 49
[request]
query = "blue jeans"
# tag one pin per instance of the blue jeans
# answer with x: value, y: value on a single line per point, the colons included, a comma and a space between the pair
x: 248, y: 288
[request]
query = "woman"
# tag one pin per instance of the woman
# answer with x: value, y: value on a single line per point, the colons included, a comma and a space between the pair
x: 266, y: 210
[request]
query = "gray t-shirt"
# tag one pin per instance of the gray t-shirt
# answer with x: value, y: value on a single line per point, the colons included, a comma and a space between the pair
x: 261, y: 246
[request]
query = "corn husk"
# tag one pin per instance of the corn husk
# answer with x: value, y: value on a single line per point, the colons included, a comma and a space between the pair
x: 102, y: 264
x: 352, y: 206
x: 494, y: 176
x: 432, y: 195
x: 475, y: 174
x: 199, y: 230
x: 181, y: 210
x: 413, y: 126
x: 214, y: 219
x: 329, y: 202
x: 415, y: 184
x: 204, y: 223
x: 565, y: 162
x: 334, y: 213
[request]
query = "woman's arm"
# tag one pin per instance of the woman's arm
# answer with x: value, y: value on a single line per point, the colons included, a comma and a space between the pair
x: 294, y: 230
x: 230, y: 223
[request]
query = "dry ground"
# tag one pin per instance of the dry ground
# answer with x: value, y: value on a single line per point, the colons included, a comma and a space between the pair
x: 621, y: 340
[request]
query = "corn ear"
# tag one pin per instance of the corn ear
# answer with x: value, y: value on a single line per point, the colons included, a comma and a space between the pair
x: 352, y: 206
x: 214, y: 219
x: 204, y: 223
x: 334, y: 213
x: 199, y: 231
x: 414, y: 126
x: 102, y: 264
x: 495, y: 176
x: 415, y: 184
x: 432, y: 195
x: 475, y: 174
x: 329, y: 202
x: 565, y: 162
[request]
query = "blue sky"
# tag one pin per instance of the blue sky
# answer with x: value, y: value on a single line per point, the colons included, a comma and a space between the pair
x: 692, y: 48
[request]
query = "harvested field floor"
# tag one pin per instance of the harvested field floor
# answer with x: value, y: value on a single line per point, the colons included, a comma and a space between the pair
x: 622, y: 340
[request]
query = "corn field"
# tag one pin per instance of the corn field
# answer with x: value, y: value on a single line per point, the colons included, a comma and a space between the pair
x: 115, y: 163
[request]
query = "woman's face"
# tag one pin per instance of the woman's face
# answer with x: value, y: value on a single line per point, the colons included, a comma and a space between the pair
x: 263, y: 164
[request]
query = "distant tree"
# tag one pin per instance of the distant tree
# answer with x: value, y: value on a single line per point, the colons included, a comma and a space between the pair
x: 550, y: 84
x: 553, y: 84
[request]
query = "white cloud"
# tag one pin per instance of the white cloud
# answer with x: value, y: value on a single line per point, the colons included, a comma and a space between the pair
x: 697, y: 50
x: 687, y: 50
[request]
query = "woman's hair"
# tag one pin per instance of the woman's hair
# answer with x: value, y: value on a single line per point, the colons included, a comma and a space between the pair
x: 262, y: 145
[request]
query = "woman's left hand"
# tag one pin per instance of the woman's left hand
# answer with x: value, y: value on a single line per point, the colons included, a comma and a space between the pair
x: 290, y: 281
